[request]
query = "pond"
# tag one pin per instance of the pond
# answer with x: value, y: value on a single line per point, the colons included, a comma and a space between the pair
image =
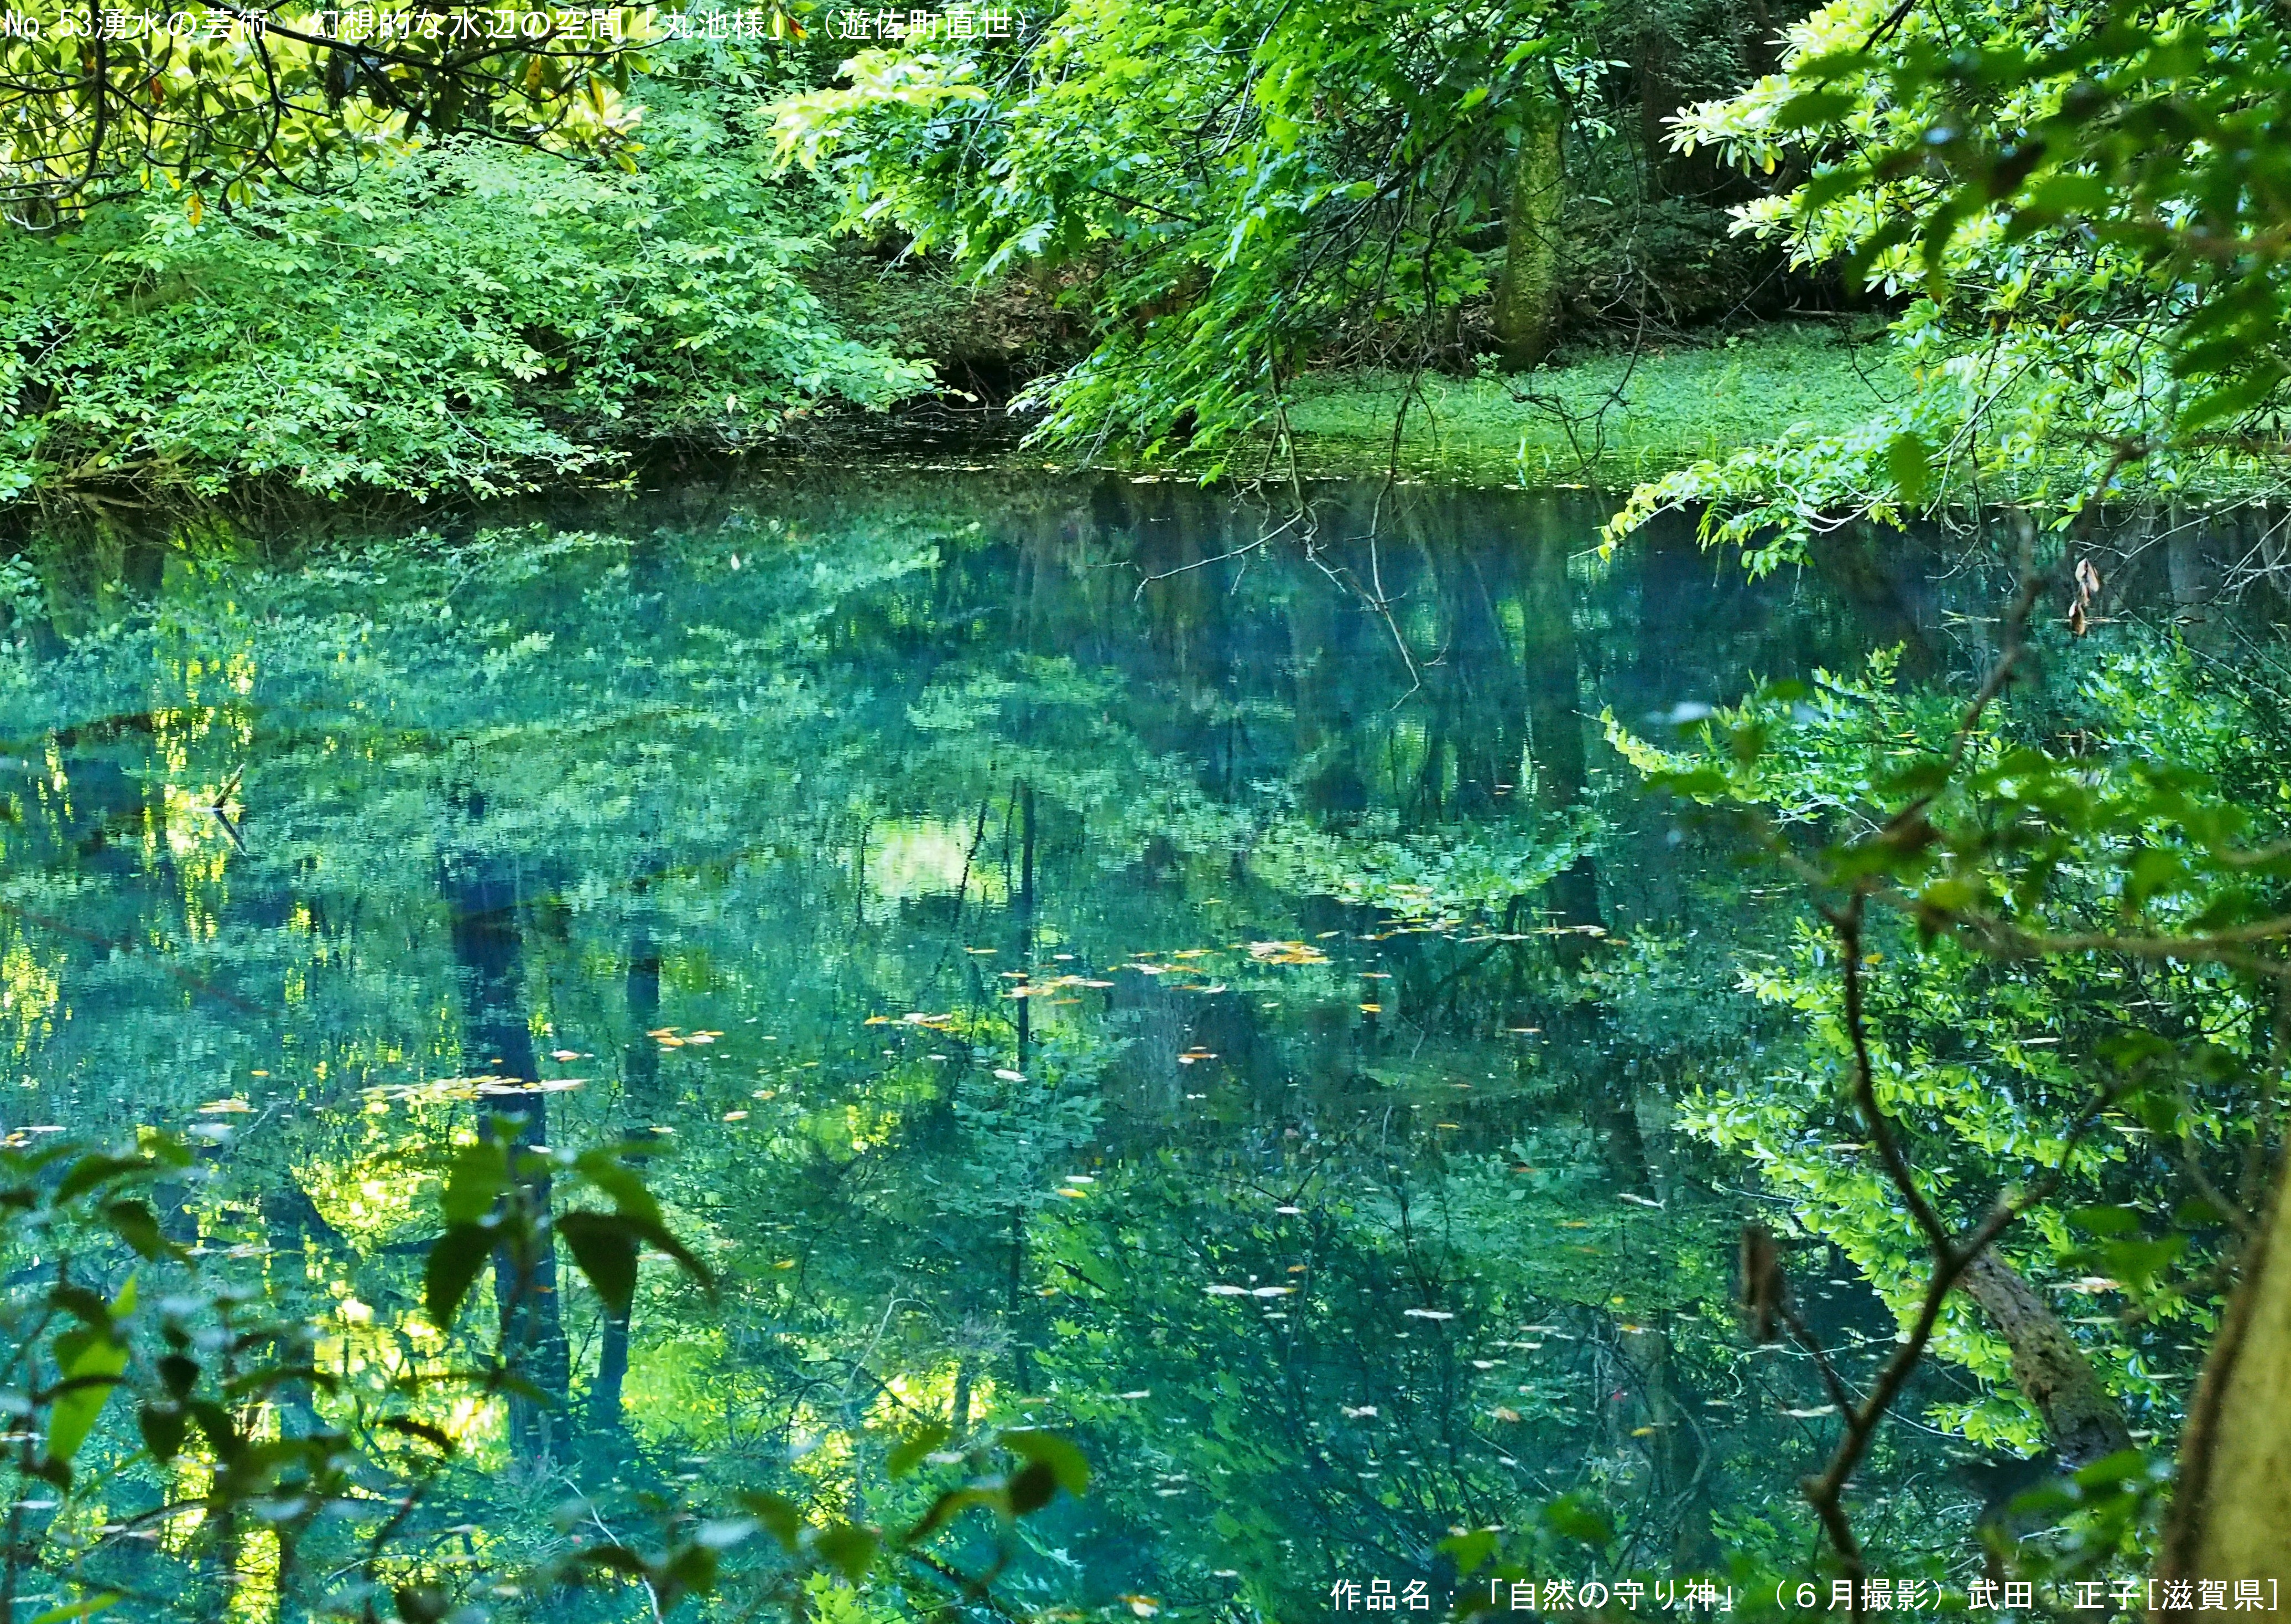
x: 1076, y: 966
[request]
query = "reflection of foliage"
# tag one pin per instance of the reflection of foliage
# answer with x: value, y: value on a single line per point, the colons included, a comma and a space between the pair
x: 2071, y: 1026
x: 701, y: 802
x: 264, y: 1470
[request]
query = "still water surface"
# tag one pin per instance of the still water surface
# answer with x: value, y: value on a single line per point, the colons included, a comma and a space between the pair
x: 1082, y: 976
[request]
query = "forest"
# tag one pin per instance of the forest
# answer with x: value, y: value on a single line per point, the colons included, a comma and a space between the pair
x: 1066, y: 811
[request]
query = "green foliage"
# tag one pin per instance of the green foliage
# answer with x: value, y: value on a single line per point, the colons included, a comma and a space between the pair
x: 1229, y: 181
x: 2076, y: 993
x: 468, y: 320
x: 2084, y: 209
x: 204, y: 1367
x: 222, y: 104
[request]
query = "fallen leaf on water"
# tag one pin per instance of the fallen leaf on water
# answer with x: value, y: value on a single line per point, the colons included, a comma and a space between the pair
x: 1144, y: 1606
x: 1292, y: 1211
x: 565, y: 1054
x: 1373, y: 1008
x: 1807, y: 1415
x: 1427, y: 1313
x: 1226, y: 1291
x: 1286, y: 953
x: 226, y: 1106
x: 1355, y: 1412
x: 1008, y: 1076
x: 1272, y: 1291
x: 1140, y: 1392
x: 1504, y: 1413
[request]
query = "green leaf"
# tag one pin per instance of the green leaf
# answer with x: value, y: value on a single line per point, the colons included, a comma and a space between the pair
x: 656, y: 1236
x: 951, y: 1505
x: 1909, y: 462
x: 604, y: 1246
x: 479, y: 1178
x: 91, y: 1361
x: 1573, y: 1517
x: 1470, y: 1551
x: 1032, y: 1486
x: 848, y: 1548
x: 422, y: 1604
x: 909, y: 1453
x: 1066, y: 1465
x: 455, y: 1260
x: 434, y: 1437
x: 163, y: 1424
x: 89, y: 1171
x: 779, y: 1515
x: 2105, y: 1220
x: 133, y: 1222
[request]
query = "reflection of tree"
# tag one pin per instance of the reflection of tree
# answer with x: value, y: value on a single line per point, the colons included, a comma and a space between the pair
x: 481, y: 894
x: 659, y: 829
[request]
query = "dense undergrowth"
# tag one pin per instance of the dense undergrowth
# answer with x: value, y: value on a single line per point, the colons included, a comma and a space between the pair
x: 465, y: 319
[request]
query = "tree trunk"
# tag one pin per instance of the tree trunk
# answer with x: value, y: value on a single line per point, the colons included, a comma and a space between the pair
x: 2228, y: 1518
x: 1527, y: 296
x: 2084, y: 1422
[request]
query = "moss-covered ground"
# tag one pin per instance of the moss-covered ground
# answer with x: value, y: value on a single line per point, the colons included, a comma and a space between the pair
x: 1607, y: 419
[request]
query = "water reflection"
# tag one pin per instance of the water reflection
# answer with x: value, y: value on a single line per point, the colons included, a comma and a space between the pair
x: 1084, y: 970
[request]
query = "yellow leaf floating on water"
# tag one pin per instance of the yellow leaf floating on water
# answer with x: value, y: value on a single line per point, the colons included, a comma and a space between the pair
x: 219, y: 1107
x: 1286, y: 953
x: 1144, y: 1606
x: 1504, y: 1413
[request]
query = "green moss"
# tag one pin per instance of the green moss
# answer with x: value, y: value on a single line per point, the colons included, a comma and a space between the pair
x: 1609, y: 420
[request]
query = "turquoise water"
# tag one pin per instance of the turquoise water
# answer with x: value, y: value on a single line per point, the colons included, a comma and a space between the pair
x: 1078, y: 968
